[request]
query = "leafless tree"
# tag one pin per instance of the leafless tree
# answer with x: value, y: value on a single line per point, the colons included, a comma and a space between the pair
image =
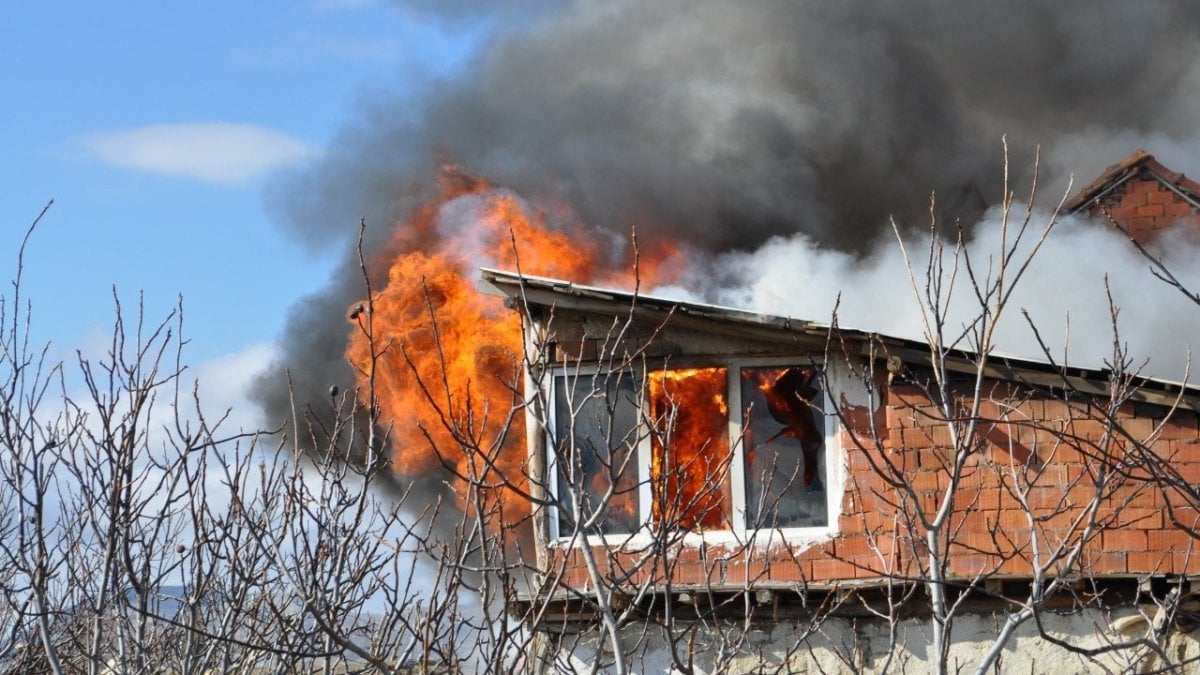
x: 141, y: 535
x: 992, y: 442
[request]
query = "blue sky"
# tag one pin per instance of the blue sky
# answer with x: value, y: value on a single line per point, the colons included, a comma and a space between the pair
x: 156, y: 128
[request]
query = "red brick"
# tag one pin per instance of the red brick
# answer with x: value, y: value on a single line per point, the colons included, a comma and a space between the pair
x: 971, y: 479
x: 1142, y: 224
x: 1043, y: 499
x: 1136, y: 194
x: 687, y: 572
x: 913, y: 438
x: 867, y: 568
x: 857, y: 459
x: 861, y: 419
x: 814, y: 553
x: 1179, y: 429
x: 1141, y: 185
x: 830, y: 568
x: 1091, y: 430
x: 972, y: 518
x: 1185, y: 450
x: 966, y: 500
x: 1142, y: 518
x: 906, y: 396
x: 978, y: 540
x: 1015, y: 566
x: 1055, y: 475
x: 972, y: 565
x: 1151, y: 562
x: 1186, y: 562
x: 1169, y: 539
x: 745, y: 572
x: 1082, y: 494
x: 929, y: 503
x: 1107, y: 562
x: 879, y: 520
x: 1140, y: 428
x: 1151, y: 210
x: 989, y: 499
x: 1178, y: 209
x: 924, y: 481
x: 885, y: 545
x: 1161, y: 197
x: 1129, y: 539
x: 1052, y: 410
x: 851, y: 522
x: 791, y: 571
x: 852, y: 546
x: 898, y: 565
x: 1132, y: 497
x: 1013, y: 520
x: 1189, y: 471
x: 922, y: 415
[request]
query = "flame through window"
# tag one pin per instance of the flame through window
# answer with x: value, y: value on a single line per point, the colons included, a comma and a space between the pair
x: 784, y: 440
x: 689, y: 465
x: 666, y: 451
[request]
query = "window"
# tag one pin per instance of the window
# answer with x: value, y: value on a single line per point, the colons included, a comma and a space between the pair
x: 724, y: 447
x: 689, y: 465
x: 784, y: 445
x: 595, y: 419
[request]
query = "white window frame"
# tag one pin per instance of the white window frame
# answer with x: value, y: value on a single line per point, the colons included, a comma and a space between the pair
x: 834, y: 457
x: 642, y: 461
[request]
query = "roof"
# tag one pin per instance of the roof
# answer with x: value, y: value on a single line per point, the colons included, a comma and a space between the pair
x: 1140, y: 163
x: 524, y: 292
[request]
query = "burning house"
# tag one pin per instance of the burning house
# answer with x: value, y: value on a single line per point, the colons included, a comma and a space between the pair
x: 717, y: 486
x: 769, y: 142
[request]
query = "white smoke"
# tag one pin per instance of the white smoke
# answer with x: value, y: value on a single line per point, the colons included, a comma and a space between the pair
x: 1062, y: 292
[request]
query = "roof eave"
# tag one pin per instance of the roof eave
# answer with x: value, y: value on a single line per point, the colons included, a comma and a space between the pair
x: 525, y: 292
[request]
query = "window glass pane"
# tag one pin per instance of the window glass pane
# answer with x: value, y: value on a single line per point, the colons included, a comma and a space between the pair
x: 784, y: 437
x: 595, y: 425
x: 690, y: 440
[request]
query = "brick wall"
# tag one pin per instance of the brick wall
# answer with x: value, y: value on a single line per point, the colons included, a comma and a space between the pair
x: 1144, y: 206
x: 1033, y: 476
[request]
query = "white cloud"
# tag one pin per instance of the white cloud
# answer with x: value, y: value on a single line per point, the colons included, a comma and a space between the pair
x: 216, y: 152
x: 225, y: 382
x: 222, y: 391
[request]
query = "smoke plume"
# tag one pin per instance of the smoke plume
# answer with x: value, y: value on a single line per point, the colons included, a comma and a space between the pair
x: 773, y: 138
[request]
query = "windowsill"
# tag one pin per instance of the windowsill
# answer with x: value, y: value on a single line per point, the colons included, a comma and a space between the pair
x: 736, y: 542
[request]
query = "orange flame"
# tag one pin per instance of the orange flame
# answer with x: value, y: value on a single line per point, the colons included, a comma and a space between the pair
x: 790, y: 394
x: 689, y: 464
x: 447, y: 353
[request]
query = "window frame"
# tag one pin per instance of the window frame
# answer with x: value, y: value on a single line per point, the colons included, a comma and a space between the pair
x: 641, y: 461
x: 834, y: 464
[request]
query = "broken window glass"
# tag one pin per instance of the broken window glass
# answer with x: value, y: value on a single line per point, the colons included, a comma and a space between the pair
x: 689, y: 464
x: 784, y: 439
x: 596, y: 427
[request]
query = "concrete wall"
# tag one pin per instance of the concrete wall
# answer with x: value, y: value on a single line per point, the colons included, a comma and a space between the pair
x: 842, y: 645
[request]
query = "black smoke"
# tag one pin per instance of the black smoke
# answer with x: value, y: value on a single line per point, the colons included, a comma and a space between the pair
x: 722, y: 124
